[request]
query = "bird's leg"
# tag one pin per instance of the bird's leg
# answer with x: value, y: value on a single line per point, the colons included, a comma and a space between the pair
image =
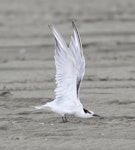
x: 64, y: 118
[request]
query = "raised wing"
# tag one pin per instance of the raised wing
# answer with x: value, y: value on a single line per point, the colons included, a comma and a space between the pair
x: 77, y: 52
x: 66, y: 71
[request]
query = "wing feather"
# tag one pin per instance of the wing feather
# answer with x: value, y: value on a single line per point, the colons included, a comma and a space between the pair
x: 77, y: 52
x: 66, y: 72
x: 70, y: 69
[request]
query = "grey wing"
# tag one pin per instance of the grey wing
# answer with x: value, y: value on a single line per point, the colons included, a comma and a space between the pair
x: 77, y: 52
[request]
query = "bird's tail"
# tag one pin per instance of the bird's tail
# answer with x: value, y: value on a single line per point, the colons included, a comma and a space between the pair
x: 44, y: 107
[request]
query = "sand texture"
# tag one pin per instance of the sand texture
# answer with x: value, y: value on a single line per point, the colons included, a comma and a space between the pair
x: 27, y: 71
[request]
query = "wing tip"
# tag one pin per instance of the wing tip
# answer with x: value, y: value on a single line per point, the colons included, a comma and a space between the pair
x: 74, y: 23
x: 51, y: 27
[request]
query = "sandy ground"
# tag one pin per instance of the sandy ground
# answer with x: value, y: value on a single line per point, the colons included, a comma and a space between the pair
x: 27, y: 74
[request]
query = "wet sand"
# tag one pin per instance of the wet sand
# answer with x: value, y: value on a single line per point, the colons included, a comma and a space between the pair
x: 27, y: 73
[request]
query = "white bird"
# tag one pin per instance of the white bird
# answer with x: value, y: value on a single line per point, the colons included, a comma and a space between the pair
x: 70, y: 69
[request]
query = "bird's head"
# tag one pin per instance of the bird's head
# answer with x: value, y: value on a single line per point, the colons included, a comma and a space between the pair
x: 90, y: 113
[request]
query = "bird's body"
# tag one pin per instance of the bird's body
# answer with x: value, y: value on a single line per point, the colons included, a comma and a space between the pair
x: 70, y: 69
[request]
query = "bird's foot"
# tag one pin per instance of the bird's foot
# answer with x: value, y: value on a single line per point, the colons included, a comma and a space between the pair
x: 64, y: 119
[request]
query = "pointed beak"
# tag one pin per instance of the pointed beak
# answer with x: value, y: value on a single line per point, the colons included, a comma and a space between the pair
x: 95, y: 115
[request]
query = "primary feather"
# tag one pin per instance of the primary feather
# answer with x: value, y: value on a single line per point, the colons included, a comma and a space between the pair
x: 77, y: 51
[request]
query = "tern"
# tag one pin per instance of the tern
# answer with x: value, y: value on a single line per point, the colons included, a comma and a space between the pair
x: 70, y: 70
